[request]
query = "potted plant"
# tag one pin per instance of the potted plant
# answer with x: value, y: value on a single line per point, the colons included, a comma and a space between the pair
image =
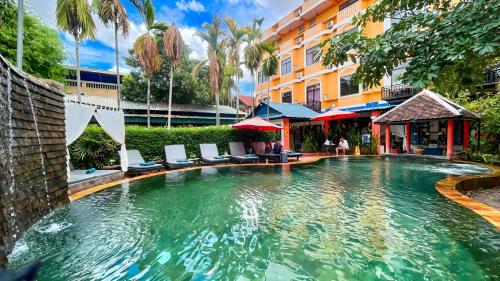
x: 419, y: 150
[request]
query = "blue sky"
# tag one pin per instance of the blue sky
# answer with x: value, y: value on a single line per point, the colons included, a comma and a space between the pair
x: 189, y: 15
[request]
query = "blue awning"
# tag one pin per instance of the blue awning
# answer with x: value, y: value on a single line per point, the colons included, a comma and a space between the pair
x: 367, y: 106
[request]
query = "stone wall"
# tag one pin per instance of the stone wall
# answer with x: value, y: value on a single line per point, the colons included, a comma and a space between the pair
x: 33, y: 179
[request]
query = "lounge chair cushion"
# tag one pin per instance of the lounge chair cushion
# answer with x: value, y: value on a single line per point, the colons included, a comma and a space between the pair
x: 90, y: 171
x: 142, y: 167
x: 147, y: 164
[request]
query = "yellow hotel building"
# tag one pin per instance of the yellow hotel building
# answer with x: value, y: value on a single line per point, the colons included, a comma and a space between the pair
x: 301, y: 77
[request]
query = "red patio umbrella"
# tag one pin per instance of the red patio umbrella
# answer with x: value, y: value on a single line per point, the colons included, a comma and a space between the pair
x: 335, y: 114
x: 257, y: 124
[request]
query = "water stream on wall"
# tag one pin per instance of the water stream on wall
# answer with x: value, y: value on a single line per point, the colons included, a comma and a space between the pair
x: 12, y: 183
x: 39, y: 140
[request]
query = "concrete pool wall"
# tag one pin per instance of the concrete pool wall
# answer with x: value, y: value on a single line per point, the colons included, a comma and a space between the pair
x: 33, y: 179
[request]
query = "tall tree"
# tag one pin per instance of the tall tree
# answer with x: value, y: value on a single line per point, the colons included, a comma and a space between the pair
x: 75, y: 17
x: 253, y: 52
x: 20, y: 33
x: 112, y: 12
x: 174, y: 47
x: 186, y: 88
x: 269, y: 66
x: 145, y: 46
x: 446, y: 44
x: 44, y: 55
x: 235, y: 40
x: 215, y: 52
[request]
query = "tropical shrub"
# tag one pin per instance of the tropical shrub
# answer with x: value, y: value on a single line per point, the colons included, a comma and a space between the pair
x: 314, y: 138
x: 93, y: 149
x: 96, y: 149
x: 483, y: 157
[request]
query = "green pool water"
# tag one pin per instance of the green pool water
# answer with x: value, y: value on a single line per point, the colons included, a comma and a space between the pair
x: 350, y: 219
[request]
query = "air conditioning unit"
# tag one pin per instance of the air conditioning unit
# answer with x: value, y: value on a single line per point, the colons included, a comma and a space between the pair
x: 330, y: 24
x: 298, y: 12
x: 300, y: 75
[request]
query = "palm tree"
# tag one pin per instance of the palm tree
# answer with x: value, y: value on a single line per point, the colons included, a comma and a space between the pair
x: 253, y: 52
x: 75, y: 17
x: 269, y: 66
x: 112, y: 12
x: 215, y: 52
x: 235, y: 39
x: 174, y: 47
x: 145, y: 46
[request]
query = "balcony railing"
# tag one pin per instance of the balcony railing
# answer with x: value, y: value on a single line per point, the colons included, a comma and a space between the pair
x: 492, y: 75
x: 309, y: 3
x: 312, y: 31
x: 286, y: 45
x: 95, y: 85
x: 349, y: 11
x: 268, y: 33
x: 398, y: 92
x: 287, y: 20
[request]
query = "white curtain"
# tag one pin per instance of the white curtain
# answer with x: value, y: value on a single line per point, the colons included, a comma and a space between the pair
x: 399, y: 131
x: 77, y: 117
x: 113, y: 123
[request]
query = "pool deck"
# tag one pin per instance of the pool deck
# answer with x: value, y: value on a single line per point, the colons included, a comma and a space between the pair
x: 446, y: 187
x: 449, y: 188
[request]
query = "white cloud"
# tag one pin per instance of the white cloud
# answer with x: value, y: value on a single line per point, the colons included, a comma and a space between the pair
x: 124, y: 69
x: 198, y: 47
x: 191, y: 5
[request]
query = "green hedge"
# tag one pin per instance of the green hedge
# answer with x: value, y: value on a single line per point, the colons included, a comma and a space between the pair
x: 96, y: 149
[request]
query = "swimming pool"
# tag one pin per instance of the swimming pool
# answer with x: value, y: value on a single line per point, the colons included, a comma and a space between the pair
x: 347, y: 219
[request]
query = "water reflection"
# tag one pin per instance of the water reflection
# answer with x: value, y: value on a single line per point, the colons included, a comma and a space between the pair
x: 354, y: 219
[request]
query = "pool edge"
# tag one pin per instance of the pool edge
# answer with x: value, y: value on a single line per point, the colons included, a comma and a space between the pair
x: 448, y: 187
x: 305, y: 160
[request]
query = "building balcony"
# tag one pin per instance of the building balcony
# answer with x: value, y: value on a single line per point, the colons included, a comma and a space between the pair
x: 398, y: 92
x: 309, y: 4
x: 290, y: 22
x: 269, y: 33
x: 492, y: 78
x: 94, y: 85
x: 349, y: 11
x: 286, y: 45
x: 310, y: 32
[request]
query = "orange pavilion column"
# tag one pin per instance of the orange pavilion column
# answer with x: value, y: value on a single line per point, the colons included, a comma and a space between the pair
x: 449, y: 138
x: 286, y: 133
x: 326, y: 127
x: 376, y: 129
x: 387, y: 139
x: 408, y: 138
x: 466, y: 134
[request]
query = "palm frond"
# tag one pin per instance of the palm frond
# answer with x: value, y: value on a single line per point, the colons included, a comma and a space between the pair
x: 75, y: 17
x: 197, y: 67
x: 111, y: 11
x: 149, y: 14
x: 173, y: 45
x: 146, y: 50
